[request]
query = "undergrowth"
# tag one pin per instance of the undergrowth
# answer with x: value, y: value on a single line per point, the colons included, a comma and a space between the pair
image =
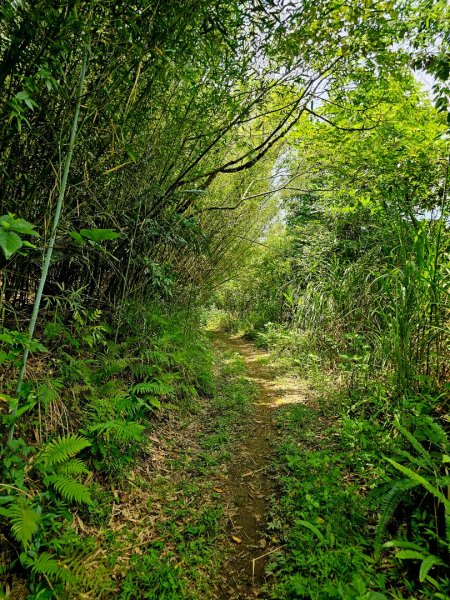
x: 364, y: 507
x: 87, y: 423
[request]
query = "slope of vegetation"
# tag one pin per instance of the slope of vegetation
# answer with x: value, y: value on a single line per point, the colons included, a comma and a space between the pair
x: 276, y: 167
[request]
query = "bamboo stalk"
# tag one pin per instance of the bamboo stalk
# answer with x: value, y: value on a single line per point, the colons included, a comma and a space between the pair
x: 54, y: 230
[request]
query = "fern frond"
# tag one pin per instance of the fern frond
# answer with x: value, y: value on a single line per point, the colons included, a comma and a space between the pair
x: 438, y: 434
x: 70, y: 489
x: 414, y: 460
x: 414, y: 443
x: 89, y: 572
x: 130, y: 405
x: 113, y: 388
x: 45, y: 564
x: 413, y: 476
x: 388, y: 507
x: 23, y: 518
x: 49, y: 391
x: 119, y: 430
x: 113, y: 367
x: 155, y: 387
x: 156, y: 357
x: 61, y: 449
x: 75, y: 466
x: 141, y: 371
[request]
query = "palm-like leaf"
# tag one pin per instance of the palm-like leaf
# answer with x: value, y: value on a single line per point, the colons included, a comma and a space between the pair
x: 45, y: 564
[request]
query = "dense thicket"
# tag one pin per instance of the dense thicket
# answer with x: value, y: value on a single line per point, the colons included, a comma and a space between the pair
x: 366, y: 244
x: 149, y: 151
x: 176, y: 96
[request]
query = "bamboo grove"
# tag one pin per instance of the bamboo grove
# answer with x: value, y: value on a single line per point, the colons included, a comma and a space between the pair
x: 276, y: 166
x: 177, y: 100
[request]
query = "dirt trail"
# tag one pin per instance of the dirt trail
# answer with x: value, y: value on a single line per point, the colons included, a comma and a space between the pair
x: 250, y: 483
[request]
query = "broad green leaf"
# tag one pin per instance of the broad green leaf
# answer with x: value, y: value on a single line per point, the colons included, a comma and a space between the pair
x: 26, y: 244
x: 99, y: 235
x: 9, y: 400
x: 10, y: 242
x: 23, y: 95
x: 23, y: 227
x: 402, y: 544
x: 6, y: 220
x: 23, y: 409
x: 76, y: 236
x: 410, y: 555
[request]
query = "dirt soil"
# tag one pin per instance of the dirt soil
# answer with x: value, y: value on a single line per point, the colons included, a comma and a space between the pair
x: 250, y: 483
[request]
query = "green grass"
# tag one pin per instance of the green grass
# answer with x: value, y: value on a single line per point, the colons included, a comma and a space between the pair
x: 334, y: 481
x: 320, y: 517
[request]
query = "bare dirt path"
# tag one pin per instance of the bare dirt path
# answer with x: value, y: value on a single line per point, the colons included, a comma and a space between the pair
x: 250, y: 483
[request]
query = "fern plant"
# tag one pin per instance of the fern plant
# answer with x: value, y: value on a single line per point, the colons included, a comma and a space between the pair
x: 115, y: 443
x: 423, y: 471
x: 388, y: 507
x: 46, y: 565
x: 61, y: 449
x: 59, y: 467
x: 23, y: 517
x: 119, y: 430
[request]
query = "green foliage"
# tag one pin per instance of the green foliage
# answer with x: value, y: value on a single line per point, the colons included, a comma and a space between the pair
x: 94, y: 235
x: 120, y: 431
x: 320, y: 517
x: 200, y: 121
x: 352, y: 293
x: 61, y: 449
x: 11, y: 230
x: 149, y: 577
x: 23, y: 518
x: 58, y: 466
x: 425, y: 470
x: 388, y: 507
x: 12, y: 345
x: 45, y: 564
x: 34, y: 519
x: 70, y: 490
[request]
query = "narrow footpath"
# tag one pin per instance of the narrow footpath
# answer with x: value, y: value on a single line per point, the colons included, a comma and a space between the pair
x: 250, y: 484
